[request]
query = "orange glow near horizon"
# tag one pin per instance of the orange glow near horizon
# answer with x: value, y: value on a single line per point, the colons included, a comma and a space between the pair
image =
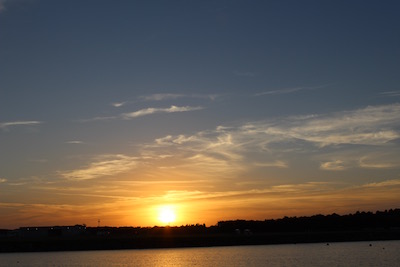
x: 176, y: 208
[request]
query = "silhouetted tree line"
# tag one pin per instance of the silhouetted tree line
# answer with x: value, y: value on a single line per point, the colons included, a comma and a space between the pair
x: 360, y: 226
x: 388, y: 219
x: 358, y: 221
x: 128, y: 231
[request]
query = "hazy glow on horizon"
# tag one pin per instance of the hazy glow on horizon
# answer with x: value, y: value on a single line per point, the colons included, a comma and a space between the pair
x: 194, y: 112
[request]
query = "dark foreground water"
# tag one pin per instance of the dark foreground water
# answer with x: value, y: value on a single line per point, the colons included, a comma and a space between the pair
x: 376, y: 253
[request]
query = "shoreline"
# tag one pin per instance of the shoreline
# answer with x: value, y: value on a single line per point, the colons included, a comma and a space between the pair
x: 166, y: 240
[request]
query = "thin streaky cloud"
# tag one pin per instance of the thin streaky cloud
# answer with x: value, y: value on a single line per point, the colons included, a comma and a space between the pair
x: 276, y: 164
x: 285, y: 188
x: 373, y: 125
x: 391, y: 93
x: 143, y: 112
x: 383, y: 184
x: 3, y: 180
x: 104, y: 165
x: 4, y: 125
x: 98, y: 119
x: 376, y: 162
x: 289, y: 90
x: 225, y: 148
x: 118, y: 104
x: 74, y: 142
x: 281, y: 91
x: 337, y: 165
x: 163, y: 97
x: 212, y: 97
x: 149, y: 111
x: 160, y: 97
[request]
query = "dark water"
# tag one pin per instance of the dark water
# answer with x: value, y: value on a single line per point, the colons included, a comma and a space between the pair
x: 376, y: 253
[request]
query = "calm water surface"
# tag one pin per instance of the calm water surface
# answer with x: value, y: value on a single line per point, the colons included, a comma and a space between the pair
x: 380, y: 253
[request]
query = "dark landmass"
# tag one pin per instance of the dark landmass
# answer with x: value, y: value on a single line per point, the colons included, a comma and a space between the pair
x: 361, y: 226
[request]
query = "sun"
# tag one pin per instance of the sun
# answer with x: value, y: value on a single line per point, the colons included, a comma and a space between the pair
x: 166, y: 214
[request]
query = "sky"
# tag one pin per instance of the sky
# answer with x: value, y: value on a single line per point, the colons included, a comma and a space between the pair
x: 214, y: 110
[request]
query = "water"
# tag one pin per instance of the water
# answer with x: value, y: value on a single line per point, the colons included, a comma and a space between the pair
x: 380, y: 253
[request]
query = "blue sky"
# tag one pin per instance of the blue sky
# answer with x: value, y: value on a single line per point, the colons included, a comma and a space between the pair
x: 220, y: 109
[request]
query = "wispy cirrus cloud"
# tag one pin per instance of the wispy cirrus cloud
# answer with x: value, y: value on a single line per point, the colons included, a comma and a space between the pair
x: 163, y: 97
x: 233, y: 151
x: 104, y: 165
x: 5, y: 125
x: 149, y: 111
x: 289, y: 90
x: 144, y: 112
x: 276, y: 164
x: 337, y: 165
x: 118, y: 104
x: 388, y: 160
x: 75, y: 142
x: 391, y: 93
x: 160, y: 97
x: 238, y: 147
x: 387, y: 183
x: 373, y: 125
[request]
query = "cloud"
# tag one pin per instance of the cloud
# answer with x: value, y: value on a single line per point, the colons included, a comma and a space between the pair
x: 160, y: 97
x: 149, y: 111
x: 5, y: 125
x: 105, y: 165
x: 380, y: 161
x: 118, y: 104
x: 289, y: 90
x: 391, y: 93
x: 74, y: 142
x: 387, y: 183
x: 281, y: 91
x: 143, y: 112
x: 3, y: 180
x: 208, y: 154
x: 99, y: 119
x: 373, y: 125
x: 239, y: 147
x: 251, y: 194
x: 276, y: 163
x: 336, y: 165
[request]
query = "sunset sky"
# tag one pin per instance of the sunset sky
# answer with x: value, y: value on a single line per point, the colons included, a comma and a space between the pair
x: 210, y: 110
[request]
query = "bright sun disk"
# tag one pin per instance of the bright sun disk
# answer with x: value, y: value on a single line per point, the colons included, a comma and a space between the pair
x: 166, y: 215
